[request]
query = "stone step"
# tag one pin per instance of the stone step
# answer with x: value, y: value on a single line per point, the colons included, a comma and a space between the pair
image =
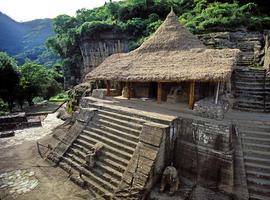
x: 256, y: 153
x: 259, y: 83
x: 257, y: 167
x: 246, y: 79
x: 122, y: 128
x: 257, y: 160
x: 257, y: 174
x: 89, y: 135
x: 250, y: 71
x: 108, y: 155
x: 255, y: 128
x: 259, y: 93
x: 113, y: 180
x: 241, y: 76
x: 256, y: 147
x: 109, y: 170
x: 121, y: 122
x: 91, y: 102
x: 123, y: 116
x: 248, y: 88
x: 248, y: 109
x: 112, y: 150
x: 96, y: 182
x: 102, y: 158
x: 254, y: 103
x: 262, y: 183
x: 127, y: 135
x: 255, y: 140
x: 258, y: 197
x: 256, y: 189
x: 93, y: 187
x: 251, y: 103
x: 239, y: 95
x: 109, y: 162
x: 114, y: 137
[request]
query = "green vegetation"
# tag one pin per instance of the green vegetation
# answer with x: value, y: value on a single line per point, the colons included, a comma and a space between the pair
x: 140, y: 18
x: 208, y: 17
x: 9, y: 79
x: 36, y: 80
x: 29, y: 82
x: 3, y: 107
x: 61, y: 97
x: 26, y: 40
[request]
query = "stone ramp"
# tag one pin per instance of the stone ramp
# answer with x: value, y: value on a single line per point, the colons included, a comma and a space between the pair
x: 255, y: 138
x: 125, y: 136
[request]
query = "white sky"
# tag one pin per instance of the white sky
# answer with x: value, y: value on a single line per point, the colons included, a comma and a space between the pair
x: 25, y: 10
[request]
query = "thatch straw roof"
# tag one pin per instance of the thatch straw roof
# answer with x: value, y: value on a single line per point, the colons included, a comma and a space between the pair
x: 172, y: 54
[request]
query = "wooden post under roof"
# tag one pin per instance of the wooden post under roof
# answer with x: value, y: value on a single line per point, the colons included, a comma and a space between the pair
x: 108, y: 84
x: 217, y: 93
x: 191, y: 95
x: 159, y: 92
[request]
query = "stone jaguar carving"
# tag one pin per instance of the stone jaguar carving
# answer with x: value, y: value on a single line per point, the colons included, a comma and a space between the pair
x: 170, y: 179
x: 91, y: 157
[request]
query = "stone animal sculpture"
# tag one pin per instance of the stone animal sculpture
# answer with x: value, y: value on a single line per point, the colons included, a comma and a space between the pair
x: 170, y: 179
x: 91, y: 157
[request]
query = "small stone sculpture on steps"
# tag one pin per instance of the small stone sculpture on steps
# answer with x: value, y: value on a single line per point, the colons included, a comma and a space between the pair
x: 91, y: 157
x: 170, y: 178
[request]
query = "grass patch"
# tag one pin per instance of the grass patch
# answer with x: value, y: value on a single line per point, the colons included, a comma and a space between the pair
x: 61, y: 97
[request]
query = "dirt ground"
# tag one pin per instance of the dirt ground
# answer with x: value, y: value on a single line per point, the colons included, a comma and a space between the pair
x: 24, y: 175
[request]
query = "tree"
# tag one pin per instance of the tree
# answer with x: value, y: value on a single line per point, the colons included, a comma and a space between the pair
x: 36, y: 80
x: 9, y: 79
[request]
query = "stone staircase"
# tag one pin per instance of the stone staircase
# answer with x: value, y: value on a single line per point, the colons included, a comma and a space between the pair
x: 251, y: 90
x: 119, y: 131
x: 256, y: 150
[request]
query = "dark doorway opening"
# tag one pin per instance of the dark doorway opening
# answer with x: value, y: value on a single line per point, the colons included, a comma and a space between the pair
x: 153, y: 90
x: 205, y: 89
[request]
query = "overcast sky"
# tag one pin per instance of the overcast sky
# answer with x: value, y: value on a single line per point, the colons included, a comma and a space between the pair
x: 25, y: 10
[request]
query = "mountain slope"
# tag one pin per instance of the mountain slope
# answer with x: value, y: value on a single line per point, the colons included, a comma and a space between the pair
x: 26, y: 39
x: 11, y: 35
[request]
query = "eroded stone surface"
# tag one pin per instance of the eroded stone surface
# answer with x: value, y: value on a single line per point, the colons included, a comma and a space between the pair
x: 29, y: 134
x: 18, y: 182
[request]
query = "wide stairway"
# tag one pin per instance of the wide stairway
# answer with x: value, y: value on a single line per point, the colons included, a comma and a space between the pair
x: 252, y: 90
x: 256, y: 150
x: 119, y: 132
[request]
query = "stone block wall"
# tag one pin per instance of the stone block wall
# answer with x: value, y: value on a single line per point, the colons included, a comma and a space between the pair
x: 148, y: 160
x: 203, y: 153
x: 207, y: 108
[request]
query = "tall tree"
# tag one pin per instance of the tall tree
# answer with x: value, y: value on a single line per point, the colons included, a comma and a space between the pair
x: 36, y: 80
x: 9, y: 79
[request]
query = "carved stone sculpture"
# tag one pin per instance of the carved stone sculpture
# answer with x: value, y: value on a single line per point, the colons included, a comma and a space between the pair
x: 176, y: 94
x: 91, y: 157
x: 170, y: 179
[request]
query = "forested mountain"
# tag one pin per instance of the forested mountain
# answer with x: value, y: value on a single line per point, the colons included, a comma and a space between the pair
x: 26, y: 39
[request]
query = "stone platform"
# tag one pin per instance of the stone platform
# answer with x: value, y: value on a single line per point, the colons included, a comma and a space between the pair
x: 17, y: 121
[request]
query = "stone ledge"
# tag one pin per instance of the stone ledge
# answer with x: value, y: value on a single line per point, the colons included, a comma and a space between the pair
x: 152, y: 133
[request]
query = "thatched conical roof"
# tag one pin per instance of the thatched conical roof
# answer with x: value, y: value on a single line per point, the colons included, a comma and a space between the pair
x: 171, y: 54
x: 171, y: 36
